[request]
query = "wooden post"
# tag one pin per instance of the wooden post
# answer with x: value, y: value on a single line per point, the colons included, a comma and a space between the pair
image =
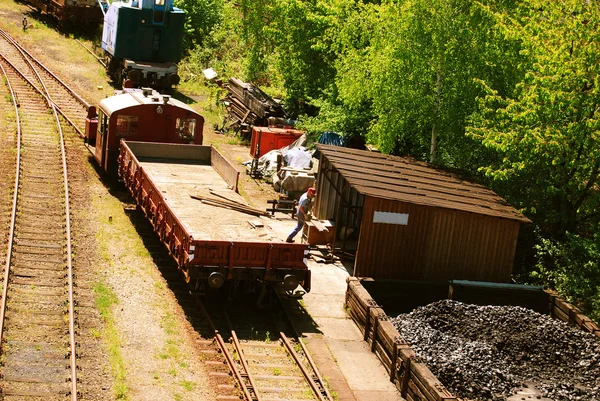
x: 375, y: 327
x: 394, y: 361
x: 571, y: 317
x: 405, y: 378
x: 368, y: 323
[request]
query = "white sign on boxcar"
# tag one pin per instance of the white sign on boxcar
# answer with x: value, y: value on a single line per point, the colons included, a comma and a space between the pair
x: 390, y: 218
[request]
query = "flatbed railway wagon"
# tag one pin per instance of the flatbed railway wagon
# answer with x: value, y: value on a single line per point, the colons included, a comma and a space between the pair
x: 212, y: 245
x: 83, y: 13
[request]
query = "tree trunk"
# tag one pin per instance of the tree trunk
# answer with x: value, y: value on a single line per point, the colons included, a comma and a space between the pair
x: 438, y: 92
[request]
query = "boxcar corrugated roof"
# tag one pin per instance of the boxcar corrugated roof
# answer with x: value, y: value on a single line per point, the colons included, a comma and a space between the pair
x: 400, y: 179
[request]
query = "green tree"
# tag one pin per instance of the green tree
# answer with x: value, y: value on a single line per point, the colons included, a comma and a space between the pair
x: 414, y: 63
x: 201, y: 17
x: 298, y: 31
x: 546, y: 132
x: 571, y: 267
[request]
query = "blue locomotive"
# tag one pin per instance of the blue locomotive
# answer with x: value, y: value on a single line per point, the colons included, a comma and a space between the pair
x: 143, y: 42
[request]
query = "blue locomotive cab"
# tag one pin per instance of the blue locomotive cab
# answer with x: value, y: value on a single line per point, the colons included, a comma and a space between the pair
x: 143, y: 41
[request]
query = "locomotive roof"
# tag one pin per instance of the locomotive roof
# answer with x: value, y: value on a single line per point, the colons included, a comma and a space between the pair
x: 126, y: 100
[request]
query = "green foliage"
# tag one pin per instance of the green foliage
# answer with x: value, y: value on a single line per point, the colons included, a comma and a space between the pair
x: 201, y: 18
x: 571, y: 267
x: 546, y: 134
x: 411, y: 67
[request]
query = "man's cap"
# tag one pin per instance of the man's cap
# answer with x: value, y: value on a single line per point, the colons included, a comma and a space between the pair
x: 312, y: 191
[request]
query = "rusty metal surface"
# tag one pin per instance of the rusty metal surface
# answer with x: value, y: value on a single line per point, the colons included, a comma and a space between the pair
x: 395, y: 178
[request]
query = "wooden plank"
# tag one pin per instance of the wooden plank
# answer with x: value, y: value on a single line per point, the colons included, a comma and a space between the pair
x: 255, y: 223
x: 563, y: 310
x: 559, y: 314
x: 415, y: 392
x: 429, y: 382
x: 358, y: 311
x: 389, y: 334
x: 383, y: 356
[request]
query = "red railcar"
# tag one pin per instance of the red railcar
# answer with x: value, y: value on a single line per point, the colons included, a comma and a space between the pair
x: 211, y: 245
x: 154, y: 143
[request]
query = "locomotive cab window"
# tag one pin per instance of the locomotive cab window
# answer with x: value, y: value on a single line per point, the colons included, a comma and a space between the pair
x: 186, y: 128
x: 103, y: 120
x: 159, y: 13
x: 126, y: 126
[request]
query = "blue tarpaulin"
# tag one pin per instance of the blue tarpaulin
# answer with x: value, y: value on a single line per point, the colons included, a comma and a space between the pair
x: 331, y: 138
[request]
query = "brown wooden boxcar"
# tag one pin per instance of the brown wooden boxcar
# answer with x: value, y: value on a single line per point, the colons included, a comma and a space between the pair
x: 407, y: 220
x: 211, y: 245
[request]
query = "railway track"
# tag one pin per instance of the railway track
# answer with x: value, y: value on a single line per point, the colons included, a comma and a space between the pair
x: 71, y: 106
x: 267, y: 363
x: 37, y: 313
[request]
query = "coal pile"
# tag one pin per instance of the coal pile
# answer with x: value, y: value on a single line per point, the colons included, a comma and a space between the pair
x: 487, y: 352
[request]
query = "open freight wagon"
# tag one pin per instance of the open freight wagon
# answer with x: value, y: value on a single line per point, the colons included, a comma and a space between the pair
x: 408, y: 371
x: 212, y: 245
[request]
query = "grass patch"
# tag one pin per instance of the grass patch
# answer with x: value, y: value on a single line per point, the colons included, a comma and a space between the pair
x: 188, y: 385
x: 105, y: 299
x: 206, y: 99
x: 116, y: 228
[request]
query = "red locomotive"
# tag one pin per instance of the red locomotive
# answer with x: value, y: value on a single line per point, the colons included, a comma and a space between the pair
x: 139, y: 115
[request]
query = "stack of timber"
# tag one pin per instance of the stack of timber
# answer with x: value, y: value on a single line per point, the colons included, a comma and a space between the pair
x: 229, y: 204
x: 248, y: 106
x: 412, y: 377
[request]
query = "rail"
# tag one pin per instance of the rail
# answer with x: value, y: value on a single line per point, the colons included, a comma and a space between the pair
x: 297, y: 357
x: 68, y: 103
x: 39, y: 244
x: 11, y: 236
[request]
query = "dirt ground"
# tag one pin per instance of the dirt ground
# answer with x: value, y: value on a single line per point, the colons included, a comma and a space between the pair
x: 137, y: 341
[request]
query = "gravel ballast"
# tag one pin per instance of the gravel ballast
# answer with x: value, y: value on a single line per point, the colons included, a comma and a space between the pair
x: 487, y: 352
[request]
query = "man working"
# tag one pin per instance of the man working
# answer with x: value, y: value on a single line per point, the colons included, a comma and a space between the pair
x: 304, y: 205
